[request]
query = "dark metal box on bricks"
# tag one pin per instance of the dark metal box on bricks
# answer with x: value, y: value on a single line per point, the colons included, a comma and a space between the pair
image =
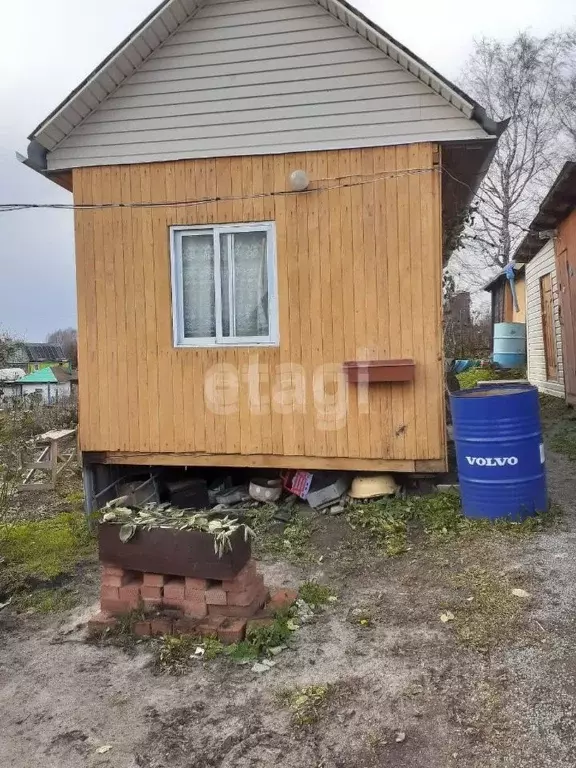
x: 500, y: 451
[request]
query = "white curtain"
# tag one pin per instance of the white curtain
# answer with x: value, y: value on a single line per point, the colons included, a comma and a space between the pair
x: 198, y: 286
x: 246, y: 284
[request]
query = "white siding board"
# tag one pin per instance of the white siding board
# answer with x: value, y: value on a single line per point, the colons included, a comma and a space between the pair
x: 413, y: 107
x: 542, y: 264
x: 403, y: 94
x: 294, y: 89
x: 333, y: 32
x: 261, y: 128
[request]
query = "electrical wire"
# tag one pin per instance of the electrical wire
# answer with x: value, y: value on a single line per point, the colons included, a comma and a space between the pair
x: 384, y: 176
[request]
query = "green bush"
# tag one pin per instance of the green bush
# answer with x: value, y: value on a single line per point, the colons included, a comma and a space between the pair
x: 470, y: 378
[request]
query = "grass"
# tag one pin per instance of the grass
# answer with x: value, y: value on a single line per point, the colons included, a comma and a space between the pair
x: 307, y: 704
x: 315, y: 594
x: 293, y: 543
x: 46, y: 601
x: 438, y: 515
x: 39, y: 551
x: 562, y: 438
x: 493, y: 615
x: 559, y: 421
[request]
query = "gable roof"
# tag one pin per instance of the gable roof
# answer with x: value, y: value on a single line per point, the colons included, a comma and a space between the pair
x: 36, y: 353
x: 49, y: 375
x: 166, y: 20
x: 559, y: 202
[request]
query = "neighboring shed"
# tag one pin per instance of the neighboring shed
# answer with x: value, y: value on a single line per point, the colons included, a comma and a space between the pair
x: 502, y: 304
x: 543, y: 329
x: 549, y: 252
x: 261, y: 199
x: 51, y: 385
x: 9, y: 386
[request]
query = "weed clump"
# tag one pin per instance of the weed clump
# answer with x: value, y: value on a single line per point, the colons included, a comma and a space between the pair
x: 315, y: 594
x: 438, y: 515
x: 292, y: 543
x: 306, y: 704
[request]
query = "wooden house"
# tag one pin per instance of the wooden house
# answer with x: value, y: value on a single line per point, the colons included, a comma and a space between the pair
x: 35, y: 356
x: 549, y: 254
x: 265, y: 190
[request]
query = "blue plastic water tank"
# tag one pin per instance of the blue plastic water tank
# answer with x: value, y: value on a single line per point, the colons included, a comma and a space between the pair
x: 510, y: 345
x: 500, y: 452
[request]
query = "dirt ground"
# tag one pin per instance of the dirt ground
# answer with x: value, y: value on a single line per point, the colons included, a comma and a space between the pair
x: 407, y: 672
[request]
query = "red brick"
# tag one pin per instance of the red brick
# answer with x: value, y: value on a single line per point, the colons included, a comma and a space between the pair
x: 174, y: 592
x: 142, y: 629
x: 114, y: 580
x: 242, y: 579
x: 185, y: 626
x: 281, y: 599
x: 109, y: 593
x: 150, y: 604
x: 114, y: 606
x: 161, y: 626
x: 246, y: 597
x: 196, y: 610
x: 210, y: 626
x: 151, y: 593
x: 232, y: 631
x: 195, y: 596
x: 101, y: 621
x: 130, y: 593
x: 154, y: 579
x: 245, y: 611
x: 194, y: 584
x: 215, y: 596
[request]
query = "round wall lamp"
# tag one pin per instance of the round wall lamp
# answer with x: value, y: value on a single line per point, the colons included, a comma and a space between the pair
x: 299, y: 181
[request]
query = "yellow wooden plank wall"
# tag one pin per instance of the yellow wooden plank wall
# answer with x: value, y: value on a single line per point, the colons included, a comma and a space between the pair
x: 359, y: 277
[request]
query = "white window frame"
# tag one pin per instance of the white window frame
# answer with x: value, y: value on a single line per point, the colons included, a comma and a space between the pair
x: 176, y: 235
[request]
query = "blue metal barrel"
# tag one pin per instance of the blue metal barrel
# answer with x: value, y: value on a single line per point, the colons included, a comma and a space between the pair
x: 499, y: 451
x: 510, y: 345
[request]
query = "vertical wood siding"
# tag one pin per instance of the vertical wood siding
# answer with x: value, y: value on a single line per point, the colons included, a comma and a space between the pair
x: 359, y: 277
x: 566, y: 271
x: 542, y: 264
x: 246, y: 77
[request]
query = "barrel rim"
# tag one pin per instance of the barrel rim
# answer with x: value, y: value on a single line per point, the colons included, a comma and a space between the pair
x: 521, y: 389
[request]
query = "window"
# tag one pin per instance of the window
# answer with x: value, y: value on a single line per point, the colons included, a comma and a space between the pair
x: 224, y: 285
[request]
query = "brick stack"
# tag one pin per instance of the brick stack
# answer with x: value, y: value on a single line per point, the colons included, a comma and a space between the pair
x: 200, y: 607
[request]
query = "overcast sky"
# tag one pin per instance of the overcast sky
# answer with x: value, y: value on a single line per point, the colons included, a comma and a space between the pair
x: 49, y: 47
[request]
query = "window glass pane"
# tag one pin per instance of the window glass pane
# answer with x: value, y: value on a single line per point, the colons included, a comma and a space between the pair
x: 225, y: 256
x: 198, y: 286
x: 250, y: 284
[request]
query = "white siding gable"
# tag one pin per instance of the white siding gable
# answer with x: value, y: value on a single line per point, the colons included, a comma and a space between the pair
x: 542, y: 264
x: 261, y: 77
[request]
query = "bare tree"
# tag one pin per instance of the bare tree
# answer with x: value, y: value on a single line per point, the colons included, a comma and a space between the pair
x: 68, y: 340
x: 7, y: 345
x: 564, y: 95
x: 516, y: 81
